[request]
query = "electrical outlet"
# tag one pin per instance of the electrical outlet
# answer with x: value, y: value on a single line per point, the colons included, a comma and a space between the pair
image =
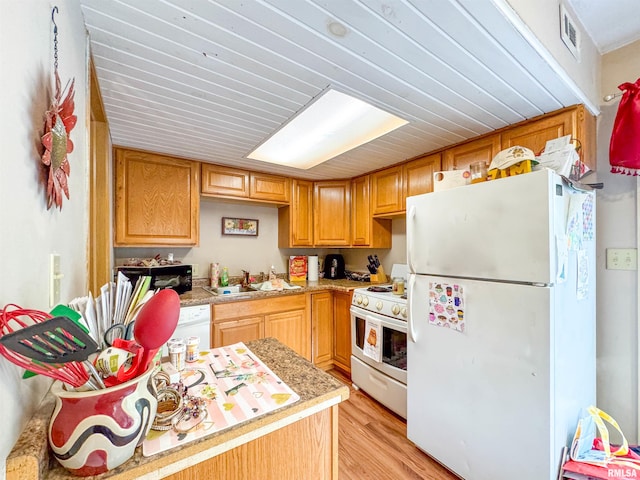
x: 622, y: 259
x: 195, y: 270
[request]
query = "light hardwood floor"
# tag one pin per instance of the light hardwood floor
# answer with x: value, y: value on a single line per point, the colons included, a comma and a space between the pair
x: 373, y: 444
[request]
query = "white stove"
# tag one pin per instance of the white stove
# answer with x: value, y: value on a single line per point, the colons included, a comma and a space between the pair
x: 379, y: 343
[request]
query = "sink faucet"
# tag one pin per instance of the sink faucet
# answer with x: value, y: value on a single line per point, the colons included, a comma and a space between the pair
x: 246, y: 278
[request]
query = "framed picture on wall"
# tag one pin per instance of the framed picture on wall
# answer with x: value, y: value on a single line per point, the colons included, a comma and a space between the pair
x: 240, y: 226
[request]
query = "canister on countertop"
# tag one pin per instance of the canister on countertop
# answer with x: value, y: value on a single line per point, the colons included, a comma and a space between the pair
x: 193, y: 349
x: 398, y: 286
x: 177, y: 352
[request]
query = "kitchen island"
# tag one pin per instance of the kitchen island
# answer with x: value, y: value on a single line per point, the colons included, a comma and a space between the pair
x: 296, y: 441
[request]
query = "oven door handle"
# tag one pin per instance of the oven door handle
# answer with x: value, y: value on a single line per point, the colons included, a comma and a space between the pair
x: 410, y: 295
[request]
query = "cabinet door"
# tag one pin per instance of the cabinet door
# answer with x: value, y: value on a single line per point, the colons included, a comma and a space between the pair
x: 360, y: 211
x: 234, y: 331
x: 387, y: 191
x: 224, y: 181
x: 367, y: 231
x: 157, y: 200
x: 481, y: 150
x: 342, y: 330
x: 322, y: 329
x: 295, y: 222
x: 291, y: 328
x: 534, y: 134
x: 418, y: 174
x: 270, y: 188
x: 331, y: 202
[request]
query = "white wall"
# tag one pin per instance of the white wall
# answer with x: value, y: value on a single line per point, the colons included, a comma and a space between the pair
x: 543, y: 18
x: 617, y: 298
x: 29, y: 232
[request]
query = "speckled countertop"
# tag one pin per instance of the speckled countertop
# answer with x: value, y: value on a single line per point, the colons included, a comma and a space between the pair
x: 315, y: 387
x: 199, y: 295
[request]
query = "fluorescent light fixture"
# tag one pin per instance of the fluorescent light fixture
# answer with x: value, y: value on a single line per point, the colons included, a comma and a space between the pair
x: 333, y: 124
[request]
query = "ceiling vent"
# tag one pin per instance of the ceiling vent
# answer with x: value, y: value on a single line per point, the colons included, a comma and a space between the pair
x: 569, y: 32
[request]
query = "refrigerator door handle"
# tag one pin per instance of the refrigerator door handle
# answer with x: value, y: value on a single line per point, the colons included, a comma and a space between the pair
x: 412, y: 332
x: 411, y: 214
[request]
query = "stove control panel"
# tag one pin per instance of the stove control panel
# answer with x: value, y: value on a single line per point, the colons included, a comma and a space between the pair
x: 383, y: 303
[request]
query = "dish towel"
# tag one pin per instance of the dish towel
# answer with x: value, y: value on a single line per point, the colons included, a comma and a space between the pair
x: 372, y: 340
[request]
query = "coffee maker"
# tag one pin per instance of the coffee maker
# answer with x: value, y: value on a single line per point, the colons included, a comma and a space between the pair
x: 334, y: 267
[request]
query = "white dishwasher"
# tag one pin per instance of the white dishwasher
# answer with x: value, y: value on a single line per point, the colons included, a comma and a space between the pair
x: 194, y: 321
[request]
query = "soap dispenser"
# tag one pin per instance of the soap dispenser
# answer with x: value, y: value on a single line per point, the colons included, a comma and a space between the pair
x: 272, y: 273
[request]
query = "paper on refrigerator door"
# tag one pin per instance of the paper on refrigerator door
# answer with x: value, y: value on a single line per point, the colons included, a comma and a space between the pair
x: 372, y: 340
x: 446, y: 305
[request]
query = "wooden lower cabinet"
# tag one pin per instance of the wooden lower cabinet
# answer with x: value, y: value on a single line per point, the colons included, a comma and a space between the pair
x: 306, y: 449
x: 234, y: 331
x: 291, y: 328
x: 342, y: 331
x: 285, y: 318
x: 322, y: 329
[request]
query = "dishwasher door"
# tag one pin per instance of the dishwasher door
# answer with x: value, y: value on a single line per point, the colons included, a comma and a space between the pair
x: 194, y: 321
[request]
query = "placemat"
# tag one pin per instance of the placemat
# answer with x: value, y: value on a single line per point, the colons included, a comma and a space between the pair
x: 236, y: 386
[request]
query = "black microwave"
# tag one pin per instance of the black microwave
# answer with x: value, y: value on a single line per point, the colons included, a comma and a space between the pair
x: 177, y: 277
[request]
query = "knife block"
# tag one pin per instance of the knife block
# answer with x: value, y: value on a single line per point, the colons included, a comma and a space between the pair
x: 379, y: 276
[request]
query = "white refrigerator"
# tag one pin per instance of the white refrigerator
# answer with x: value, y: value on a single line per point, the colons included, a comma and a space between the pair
x: 501, y: 329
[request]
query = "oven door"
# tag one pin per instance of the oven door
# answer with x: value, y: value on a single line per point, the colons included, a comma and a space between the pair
x: 394, y: 343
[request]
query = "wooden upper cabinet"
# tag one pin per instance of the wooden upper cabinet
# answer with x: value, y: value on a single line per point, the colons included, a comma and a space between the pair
x: 418, y: 174
x: 273, y: 188
x: 224, y: 181
x: 227, y: 182
x: 574, y: 121
x: 387, y: 191
x: 360, y: 211
x: 332, y: 202
x: 480, y: 150
x: 367, y: 231
x: 157, y: 199
x: 295, y: 221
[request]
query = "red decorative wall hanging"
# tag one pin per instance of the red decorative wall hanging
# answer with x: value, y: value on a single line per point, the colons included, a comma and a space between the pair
x: 59, y: 122
x: 624, y: 149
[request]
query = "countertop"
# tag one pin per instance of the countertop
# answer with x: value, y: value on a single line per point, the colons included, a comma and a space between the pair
x: 199, y: 296
x: 317, y: 390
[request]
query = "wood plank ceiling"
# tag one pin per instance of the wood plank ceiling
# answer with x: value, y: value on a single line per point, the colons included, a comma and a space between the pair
x: 210, y: 80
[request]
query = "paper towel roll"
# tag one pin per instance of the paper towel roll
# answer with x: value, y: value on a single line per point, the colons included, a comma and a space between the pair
x: 312, y: 268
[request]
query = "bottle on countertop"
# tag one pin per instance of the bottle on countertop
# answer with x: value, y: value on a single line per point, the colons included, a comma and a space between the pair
x: 224, y: 278
x: 215, y: 274
x: 272, y: 273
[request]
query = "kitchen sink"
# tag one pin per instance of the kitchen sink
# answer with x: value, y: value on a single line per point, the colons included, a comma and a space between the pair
x: 231, y: 290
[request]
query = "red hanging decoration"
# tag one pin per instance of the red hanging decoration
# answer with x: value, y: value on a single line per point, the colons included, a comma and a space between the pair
x: 624, y: 149
x: 59, y: 122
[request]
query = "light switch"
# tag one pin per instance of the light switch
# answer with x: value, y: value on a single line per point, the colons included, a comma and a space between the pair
x: 55, y: 278
x: 622, y: 259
